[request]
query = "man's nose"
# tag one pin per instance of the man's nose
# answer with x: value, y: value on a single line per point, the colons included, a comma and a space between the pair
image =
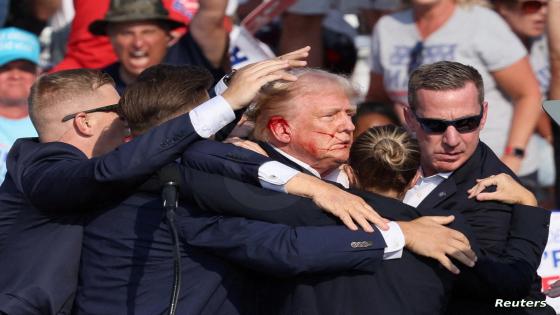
x: 346, y: 124
x: 451, y: 136
x: 15, y: 73
x: 138, y: 41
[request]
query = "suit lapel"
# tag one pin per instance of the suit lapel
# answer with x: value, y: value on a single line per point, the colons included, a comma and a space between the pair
x: 449, y: 186
x: 442, y: 192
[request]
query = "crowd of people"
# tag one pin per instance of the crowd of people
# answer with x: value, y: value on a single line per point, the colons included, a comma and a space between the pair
x: 144, y: 172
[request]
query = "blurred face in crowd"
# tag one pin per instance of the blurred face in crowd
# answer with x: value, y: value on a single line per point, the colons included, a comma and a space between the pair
x: 370, y: 120
x: 138, y: 45
x: 446, y: 151
x: 322, y: 129
x: 526, y: 18
x: 16, y: 78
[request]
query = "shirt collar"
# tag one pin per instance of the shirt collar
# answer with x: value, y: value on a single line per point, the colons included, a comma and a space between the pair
x: 336, y: 175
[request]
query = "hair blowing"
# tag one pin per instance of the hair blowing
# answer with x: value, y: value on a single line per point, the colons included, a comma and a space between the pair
x: 443, y: 76
x: 162, y: 92
x: 385, y: 158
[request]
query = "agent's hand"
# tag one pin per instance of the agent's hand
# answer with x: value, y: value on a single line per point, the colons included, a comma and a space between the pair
x: 508, y: 190
x: 247, y: 81
x: 428, y: 236
x: 350, y: 209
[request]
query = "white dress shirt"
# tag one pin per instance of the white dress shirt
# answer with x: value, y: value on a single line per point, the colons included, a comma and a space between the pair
x: 424, y: 186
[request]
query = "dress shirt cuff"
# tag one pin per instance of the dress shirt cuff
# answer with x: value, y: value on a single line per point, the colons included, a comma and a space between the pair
x: 211, y: 116
x: 220, y: 87
x: 394, y: 238
x: 274, y: 175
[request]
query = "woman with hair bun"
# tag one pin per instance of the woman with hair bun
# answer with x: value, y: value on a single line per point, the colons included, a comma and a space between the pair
x: 386, y: 159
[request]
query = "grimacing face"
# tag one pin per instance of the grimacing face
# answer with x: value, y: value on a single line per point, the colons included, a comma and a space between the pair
x: 448, y: 151
x: 139, y: 45
x: 322, y: 129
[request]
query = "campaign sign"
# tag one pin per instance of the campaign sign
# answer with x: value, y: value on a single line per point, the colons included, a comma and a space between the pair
x: 549, y: 269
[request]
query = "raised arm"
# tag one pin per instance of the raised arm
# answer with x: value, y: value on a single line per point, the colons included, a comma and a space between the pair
x: 520, y: 84
x: 208, y: 30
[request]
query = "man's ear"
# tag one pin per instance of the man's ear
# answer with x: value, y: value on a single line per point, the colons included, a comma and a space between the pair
x: 484, y: 115
x: 408, y: 119
x: 83, y: 125
x: 280, y: 129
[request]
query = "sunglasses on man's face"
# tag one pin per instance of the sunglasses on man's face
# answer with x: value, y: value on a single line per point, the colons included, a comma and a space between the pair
x: 532, y: 6
x: 109, y: 108
x: 439, y: 126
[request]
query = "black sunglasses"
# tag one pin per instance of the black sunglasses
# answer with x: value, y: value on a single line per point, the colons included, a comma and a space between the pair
x: 532, y: 6
x: 109, y: 108
x: 439, y: 126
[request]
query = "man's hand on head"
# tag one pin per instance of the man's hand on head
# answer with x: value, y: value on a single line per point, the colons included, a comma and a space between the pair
x: 350, y: 209
x: 247, y: 81
x: 428, y: 236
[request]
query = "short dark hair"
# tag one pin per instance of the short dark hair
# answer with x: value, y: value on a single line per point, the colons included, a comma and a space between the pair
x: 162, y: 92
x: 443, y: 76
x: 385, y: 158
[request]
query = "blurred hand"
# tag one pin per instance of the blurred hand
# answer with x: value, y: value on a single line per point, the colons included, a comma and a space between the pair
x: 247, y: 81
x: 427, y: 236
x: 508, y: 190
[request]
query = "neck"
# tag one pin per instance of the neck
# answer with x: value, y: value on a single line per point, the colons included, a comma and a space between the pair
x: 430, y: 18
x: 322, y: 167
x: 126, y: 76
x: 14, y: 111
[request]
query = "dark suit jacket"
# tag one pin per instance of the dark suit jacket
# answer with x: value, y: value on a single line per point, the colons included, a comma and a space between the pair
x: 130, y: 246
x: 127, y: 265
x: 42, y: 202
x: 410, y: 285
x: 511, y: 239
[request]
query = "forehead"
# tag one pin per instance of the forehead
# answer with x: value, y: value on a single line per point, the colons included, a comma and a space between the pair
x: 134, y: 26
x: 449, y: 104
x: 323, y: 94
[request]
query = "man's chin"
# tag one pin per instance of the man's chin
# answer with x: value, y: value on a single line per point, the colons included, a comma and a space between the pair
x: 448, y: 166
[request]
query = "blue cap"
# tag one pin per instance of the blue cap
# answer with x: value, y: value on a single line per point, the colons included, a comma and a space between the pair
x: 17, y: 44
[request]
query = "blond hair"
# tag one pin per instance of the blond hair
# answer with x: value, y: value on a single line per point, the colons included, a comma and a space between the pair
x: 385, y: 159
x: 277, y: 98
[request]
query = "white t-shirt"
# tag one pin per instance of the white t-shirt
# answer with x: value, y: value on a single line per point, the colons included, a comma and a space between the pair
x: 10, y: 131
x: 473, y: 35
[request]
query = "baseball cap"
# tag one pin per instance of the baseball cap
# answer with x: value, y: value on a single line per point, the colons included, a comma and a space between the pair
x: 17, y: 44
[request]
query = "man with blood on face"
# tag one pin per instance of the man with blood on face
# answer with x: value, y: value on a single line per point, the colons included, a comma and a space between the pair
x: 310, y: 121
